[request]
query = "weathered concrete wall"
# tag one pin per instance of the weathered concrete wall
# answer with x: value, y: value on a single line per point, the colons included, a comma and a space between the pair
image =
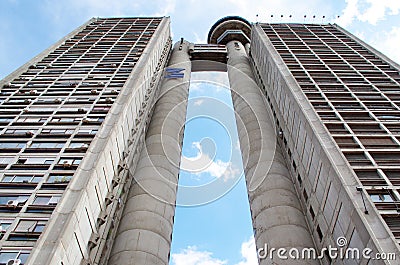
x: 145, y: 231
x: 325, y: 183
x: 75, y: 220
x: 277, y: 215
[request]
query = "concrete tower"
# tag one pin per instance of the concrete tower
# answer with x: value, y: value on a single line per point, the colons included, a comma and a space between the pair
x: 276, y: 211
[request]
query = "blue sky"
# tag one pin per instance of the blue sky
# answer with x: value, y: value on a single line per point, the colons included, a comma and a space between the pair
x: 212, y: 220
x: 217, y: 230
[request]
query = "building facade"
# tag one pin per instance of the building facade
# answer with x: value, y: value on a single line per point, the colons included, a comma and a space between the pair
x: 92, y: 129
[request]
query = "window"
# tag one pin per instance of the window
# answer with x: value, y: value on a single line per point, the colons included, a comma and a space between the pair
x: 87, y: 131
x: 72, y: 109
x: 4, y: 225
x: 394, y: 224
x: 386, y: 158
x: 356, y: 116
x: 47, y: 145
x: 22, y: 178
x: 378, y: 142
x: 367, y: 128
x: 346, y: 142
x: 57, y: 131
x: 370, y: 177
x: 7, y: 255
x: 381, y: 197
x: 78, y: 146
x: 13, y: 200
x: 59, y: 178
x: 36, y: 161
x: 47, y: 200
x: 5, y: 120
x: 5, y: 160
x: 357, y: 158
x: 336, y: 128
x: 30, y: 226
x: 70, y: 161
x: 94, y: 120
x: 393, y: 175
x: 12, y: 145
x: 20, y: 132
x: 66, y: 120
x: 31, y: 119
x: 41, y: 109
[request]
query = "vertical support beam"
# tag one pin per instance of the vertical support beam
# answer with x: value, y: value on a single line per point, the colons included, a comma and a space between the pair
x: 277, y: 215
x: 145, y: 230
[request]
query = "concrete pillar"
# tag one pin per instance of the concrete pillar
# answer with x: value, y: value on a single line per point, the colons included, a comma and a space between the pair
x: 277, y: 215
x: 145, y: 230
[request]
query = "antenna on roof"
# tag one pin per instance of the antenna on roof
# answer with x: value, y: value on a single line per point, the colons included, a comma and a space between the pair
x: 313, y: 18
x: 256, y: 18
x: 272, y: 18
x: 323, y: 18
x: 304, y: 18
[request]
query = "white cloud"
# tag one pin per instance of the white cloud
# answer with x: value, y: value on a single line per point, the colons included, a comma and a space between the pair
x: 199, y: 39
x: 168, y: 9
x: 202, y: 163
x: 388, y: 43
x: 371, y: 11
x: 192, y: 256
x: 198, y: 102
x: 378, y: 9
x: 249, y: 253
x: 349, y: 13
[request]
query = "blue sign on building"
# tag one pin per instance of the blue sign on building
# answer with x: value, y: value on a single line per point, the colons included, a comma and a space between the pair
x: 174, y: 73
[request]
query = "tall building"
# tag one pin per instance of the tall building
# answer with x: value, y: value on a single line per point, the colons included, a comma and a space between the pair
x: 92, y: 128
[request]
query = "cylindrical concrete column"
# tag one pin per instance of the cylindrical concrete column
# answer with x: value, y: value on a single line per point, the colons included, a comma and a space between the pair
x: 276, y: 211
x: 145, y: 230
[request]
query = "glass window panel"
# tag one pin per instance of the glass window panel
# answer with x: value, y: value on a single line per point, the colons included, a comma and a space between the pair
x: 22, y: 179
x: 375, y: 198
x: 22, y: 199
x: 37, y: 179
x: 26, y: 226
x: 39, y: 228
x: 6, y: 256
x: 5, y: 225
x: 5, y: 199
x: 41, y: 200
x: 6, y: 160
x: 23, y: 257
x: 59, y: 178
x: 66, y: 161
x: 38, y: 160
x: 7, y: 179
x: 387, y: 198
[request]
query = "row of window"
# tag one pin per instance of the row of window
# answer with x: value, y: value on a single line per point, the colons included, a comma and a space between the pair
x: 43, y: 145
x: 387, y: 162
x: 20, y: 200
x: 54, y: 120
x: 74, y: 73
